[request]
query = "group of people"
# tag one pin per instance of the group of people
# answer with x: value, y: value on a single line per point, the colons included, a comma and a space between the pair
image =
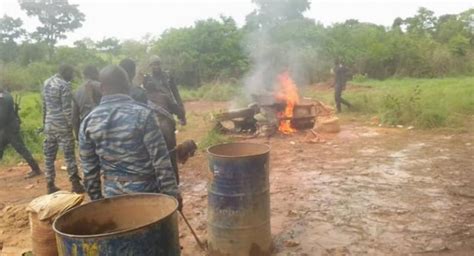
x: 126, y: 133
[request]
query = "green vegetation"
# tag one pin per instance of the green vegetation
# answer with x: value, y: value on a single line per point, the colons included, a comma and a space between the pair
x: 211, y: 92
x: 423, y: 103
x: 276, y: 35
x: 213, y: 138
x: 214, y: 59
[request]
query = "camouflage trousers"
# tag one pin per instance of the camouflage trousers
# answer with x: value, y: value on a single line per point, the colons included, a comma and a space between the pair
x: 15, y: 140
x: 50, y: 148
x: 116, y: 188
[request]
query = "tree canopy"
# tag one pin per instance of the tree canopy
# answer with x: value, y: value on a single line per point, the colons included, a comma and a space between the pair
x: 276, y: 36
x: 57, y: 17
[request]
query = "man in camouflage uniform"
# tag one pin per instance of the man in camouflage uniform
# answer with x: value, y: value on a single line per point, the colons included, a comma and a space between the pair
x: 10, y: 132
x: 57, y: 119
x: 120, y: 138
x: 86, y: 98
x: 164, y: 98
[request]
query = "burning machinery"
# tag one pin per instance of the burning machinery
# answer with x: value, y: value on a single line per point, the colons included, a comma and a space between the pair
x: 271, y: 112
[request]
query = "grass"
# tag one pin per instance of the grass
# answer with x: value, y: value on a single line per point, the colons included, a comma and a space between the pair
x: 423, y: 103
x: 211, y: 92
x: 213, y: 138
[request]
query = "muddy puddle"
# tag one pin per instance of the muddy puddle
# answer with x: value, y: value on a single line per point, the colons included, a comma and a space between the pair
x: 364, y: 191
x: 357, y: 197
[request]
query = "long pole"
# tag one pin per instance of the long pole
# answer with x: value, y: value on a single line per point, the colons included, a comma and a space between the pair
x: 192, y: 231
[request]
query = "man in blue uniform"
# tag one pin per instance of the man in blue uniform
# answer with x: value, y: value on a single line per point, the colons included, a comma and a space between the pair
x: 120, y: 139
x: 57, y: 120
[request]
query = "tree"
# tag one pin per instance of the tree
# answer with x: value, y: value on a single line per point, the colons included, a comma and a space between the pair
x: 423, y: 23
x: 210, y: 50
x: 134, y: 49
x: 57, y: 18
x: 111, y: 46
x: 32, y: 52
x: 86, y: 43
x: 11, y: 29
x: 270, y: 12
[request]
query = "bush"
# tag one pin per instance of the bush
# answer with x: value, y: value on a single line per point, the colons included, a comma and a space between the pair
x: 431, y: 119
x: 211, y: 92
x: 213, y: 138
x: 31, y: 77
x: 360, y: 78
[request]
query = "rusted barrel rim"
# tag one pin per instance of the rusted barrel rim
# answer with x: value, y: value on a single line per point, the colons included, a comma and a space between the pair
x: 116, y: 232
x: 260, y: 149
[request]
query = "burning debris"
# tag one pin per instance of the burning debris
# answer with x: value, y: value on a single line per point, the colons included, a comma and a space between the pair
x: 288, y: 95
x: 279, y: 111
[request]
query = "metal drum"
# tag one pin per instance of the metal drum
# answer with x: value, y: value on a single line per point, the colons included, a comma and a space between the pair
x: 136, y: 224
x: 239, y: 200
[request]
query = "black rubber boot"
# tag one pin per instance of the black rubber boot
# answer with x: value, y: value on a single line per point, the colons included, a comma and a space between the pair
x: 77, y: 186
x: 32, y: 173
x: 51, y: 188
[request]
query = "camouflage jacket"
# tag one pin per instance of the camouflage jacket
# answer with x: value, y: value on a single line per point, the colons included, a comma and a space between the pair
x: 57, y: 105
x: 121, y: 138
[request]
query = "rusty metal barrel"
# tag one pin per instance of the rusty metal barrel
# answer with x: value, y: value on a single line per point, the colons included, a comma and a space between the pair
x: 239, y: 200
x: 136, y: 224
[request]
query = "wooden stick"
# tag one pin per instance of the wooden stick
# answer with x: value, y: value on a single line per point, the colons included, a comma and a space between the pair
x: 192, y: 231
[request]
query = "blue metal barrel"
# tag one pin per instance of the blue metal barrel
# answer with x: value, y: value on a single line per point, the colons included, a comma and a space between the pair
x: 239, y: 200
x: 136, y: 224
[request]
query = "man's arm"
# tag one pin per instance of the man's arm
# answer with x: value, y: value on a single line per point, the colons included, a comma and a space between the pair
x: 90, y: 164
x: 156, y: 147
x: 76, y: 119
x: 44, y: 108
x: 66, y: 102
x: 181, y: 112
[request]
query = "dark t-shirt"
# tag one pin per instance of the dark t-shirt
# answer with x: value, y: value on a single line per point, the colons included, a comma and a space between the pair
x: 342, y: 74
x: 85, y: 99
x: 8, y: 118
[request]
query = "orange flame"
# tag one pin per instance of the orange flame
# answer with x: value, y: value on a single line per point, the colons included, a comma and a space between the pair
x: 288, y: 93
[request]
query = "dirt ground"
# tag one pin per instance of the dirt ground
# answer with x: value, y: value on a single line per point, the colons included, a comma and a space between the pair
x: 367, y: 190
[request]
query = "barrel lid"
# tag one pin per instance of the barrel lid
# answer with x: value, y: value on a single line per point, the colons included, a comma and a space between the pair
x: 115, y: 215
x: 238, y: 149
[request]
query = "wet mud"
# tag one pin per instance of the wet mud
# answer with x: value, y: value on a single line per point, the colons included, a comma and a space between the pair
x: 364, y: 191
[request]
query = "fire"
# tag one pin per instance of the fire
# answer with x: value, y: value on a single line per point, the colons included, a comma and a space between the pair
x: 288, y: 93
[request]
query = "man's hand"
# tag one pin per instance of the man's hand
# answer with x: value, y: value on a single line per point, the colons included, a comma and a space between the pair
x: 180, y: 202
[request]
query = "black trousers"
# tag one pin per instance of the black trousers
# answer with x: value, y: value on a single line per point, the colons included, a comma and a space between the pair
x: 338, y: 98
x: 15, y: 140
x: 168, y: 128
